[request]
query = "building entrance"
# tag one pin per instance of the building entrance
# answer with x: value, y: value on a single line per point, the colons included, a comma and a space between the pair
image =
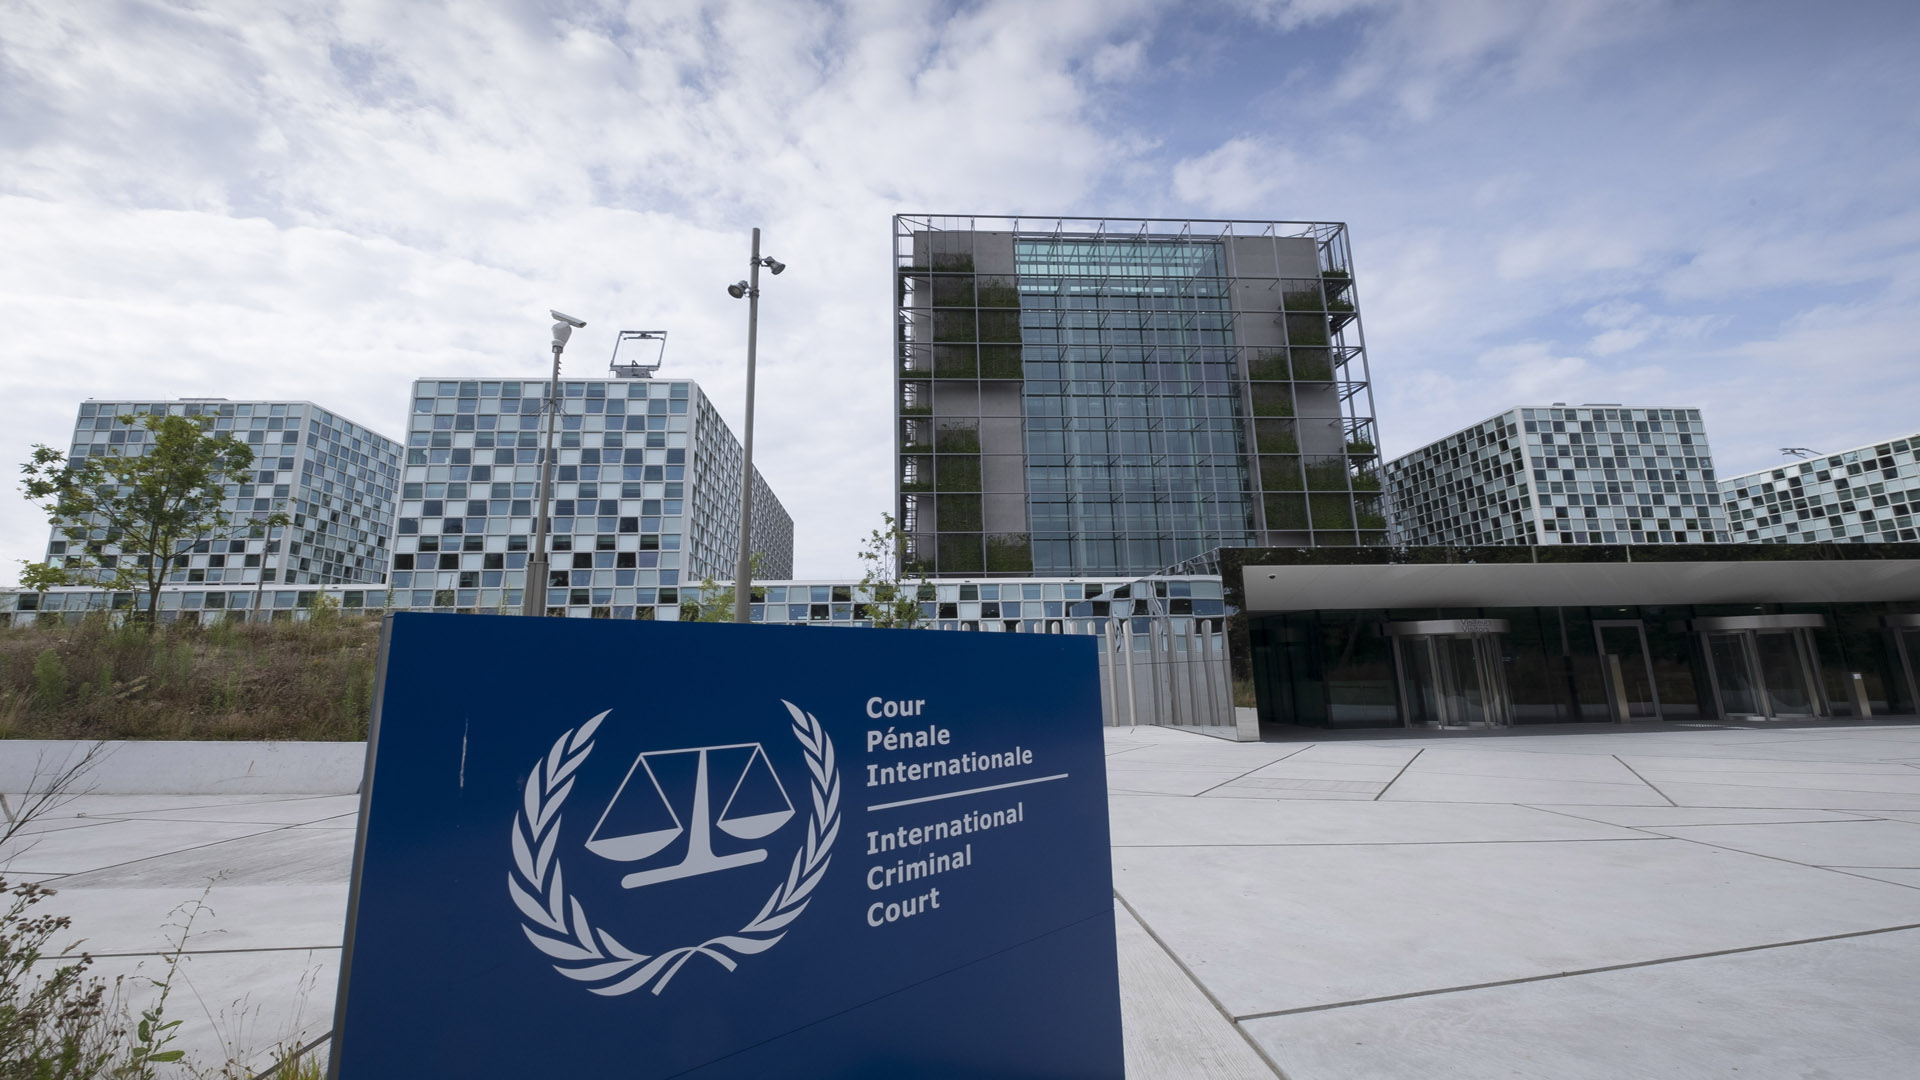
x: 1906, y: 641
x: 1626, y: 667
x: 1764, y: 666
x: 1450, y: 673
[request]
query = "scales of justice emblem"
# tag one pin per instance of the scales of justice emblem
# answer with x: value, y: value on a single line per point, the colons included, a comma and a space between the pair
x: 756, y: 807
x: 734, y: 789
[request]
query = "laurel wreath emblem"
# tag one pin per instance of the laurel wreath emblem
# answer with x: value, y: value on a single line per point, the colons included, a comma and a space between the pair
x: 556, y: 923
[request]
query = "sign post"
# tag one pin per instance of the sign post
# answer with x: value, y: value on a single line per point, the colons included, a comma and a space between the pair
x: 595, y: 848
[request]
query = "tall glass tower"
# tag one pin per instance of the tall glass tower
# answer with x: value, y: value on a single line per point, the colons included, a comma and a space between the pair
x: 1110, y: 397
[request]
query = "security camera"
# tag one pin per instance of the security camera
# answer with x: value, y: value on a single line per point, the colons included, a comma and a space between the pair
x: 737, y: 290
x: 565, y: 318
x: 775, y: 265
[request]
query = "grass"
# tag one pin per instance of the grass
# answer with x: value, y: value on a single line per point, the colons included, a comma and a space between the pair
x: 287, y: 680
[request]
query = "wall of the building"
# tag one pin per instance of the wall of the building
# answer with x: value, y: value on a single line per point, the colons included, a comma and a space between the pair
x: 337, y: 482
x: 1870, y: 494
x: 1337, y: 669
x: 1232, y: 393
x: 1559, y: 475
x: 646, y: 494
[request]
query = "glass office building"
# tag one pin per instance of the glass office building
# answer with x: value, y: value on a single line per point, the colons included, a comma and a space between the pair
x: 646, y: 496
x: 335, y: 479
x: 1870, y: 494
x: 1496, y: 636
x: 1592, y: 474
x: 1087, y: 397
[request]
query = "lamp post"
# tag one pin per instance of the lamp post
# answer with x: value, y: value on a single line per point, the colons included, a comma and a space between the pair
x: 750, y: 288
x: 533, y: 599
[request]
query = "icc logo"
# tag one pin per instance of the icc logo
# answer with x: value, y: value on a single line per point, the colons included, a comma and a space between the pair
x: 733, y: 789
x: 756, y: 807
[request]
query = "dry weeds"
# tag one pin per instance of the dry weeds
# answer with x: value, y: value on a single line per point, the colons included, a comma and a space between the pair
x: 291, y: 681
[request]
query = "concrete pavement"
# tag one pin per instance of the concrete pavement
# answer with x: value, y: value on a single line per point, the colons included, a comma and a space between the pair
x: 1687, y: 903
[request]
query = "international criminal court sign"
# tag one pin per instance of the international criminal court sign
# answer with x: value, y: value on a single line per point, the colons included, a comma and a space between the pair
x: 659, y: 850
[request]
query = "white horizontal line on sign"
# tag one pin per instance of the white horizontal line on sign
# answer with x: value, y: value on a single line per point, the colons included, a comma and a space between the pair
x: 969, y: 791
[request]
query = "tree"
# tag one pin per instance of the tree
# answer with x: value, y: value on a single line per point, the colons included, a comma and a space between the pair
x: 895, y: 601
x: 129, y: 517
x: 716, y: 601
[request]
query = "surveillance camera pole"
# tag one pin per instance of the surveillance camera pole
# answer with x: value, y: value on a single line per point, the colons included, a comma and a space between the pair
x: 743, y: 569
x: 534, y: 597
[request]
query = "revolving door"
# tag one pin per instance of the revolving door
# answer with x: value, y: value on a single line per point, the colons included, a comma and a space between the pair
x: 1764, y: 667
x: 1450, y: 672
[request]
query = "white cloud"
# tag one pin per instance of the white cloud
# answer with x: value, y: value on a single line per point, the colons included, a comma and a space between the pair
x: 1567, y: 201
x: 1118, y: 61
x: 1240, y: 175
x: 1417, y: 51
x: 327, y: 201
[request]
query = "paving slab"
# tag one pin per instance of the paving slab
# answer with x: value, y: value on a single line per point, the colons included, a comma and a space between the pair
x: 1168, y: 782
x: 1140, y: 821
x: 1909, y: 878
x: 225, y: 918
x: 73, y: 851
x: 1782, y: 796
x: 294, y: 811
x: 1304, y: 768
x: 1654, y: 766
x: 1825, y: 843
x: 1171, y: 1030
x: 1904, y: 781
x: 1835, y: 1009
x: 1418, y: 786
x: 1280, y: 787
x: 201, y: 767
x: 1491, y: 764
x: 281, y: 856
x: 1657, y: 816
x: 1270, y: 928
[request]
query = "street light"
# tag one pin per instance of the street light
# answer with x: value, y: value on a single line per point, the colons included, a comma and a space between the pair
x: 750, y: 289
x: 533, y: 599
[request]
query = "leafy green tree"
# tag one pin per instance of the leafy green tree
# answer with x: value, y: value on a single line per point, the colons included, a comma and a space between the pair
x: 128, y: 517
x: 895, y: 602
x: 716, y: 601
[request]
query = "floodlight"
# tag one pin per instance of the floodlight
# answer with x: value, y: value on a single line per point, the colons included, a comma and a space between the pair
x: 775, y: 265
x: 737, y: 290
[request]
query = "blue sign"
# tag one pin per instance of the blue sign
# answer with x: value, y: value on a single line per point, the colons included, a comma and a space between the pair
x: 643, y: 850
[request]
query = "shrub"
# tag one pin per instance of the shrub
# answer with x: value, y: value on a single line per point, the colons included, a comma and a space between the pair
x: 958, y: 513
x: 957, y: 437
x: 1270, y: 365
x: 1272, y: 399
x: 1312, y: 365
x: 50, y: 680
x: 1280, y: 473
x: 960, y: 553
x: 283, y: 680
x: 1001, y: 362
x: 1009, y: 553
x: 957, y: 473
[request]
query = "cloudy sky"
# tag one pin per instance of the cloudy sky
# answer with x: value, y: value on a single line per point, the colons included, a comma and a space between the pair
x: 1706, y: 203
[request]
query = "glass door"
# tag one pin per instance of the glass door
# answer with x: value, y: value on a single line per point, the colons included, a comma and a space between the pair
x: 1627, y: 669
x: 1733, y: 680
x: 1420, y: 682
x: 1908, y: 642
x: 1450, y: 673
x: 1764, y: 666
x: 1463, y: 680
x: 1784, y: 673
